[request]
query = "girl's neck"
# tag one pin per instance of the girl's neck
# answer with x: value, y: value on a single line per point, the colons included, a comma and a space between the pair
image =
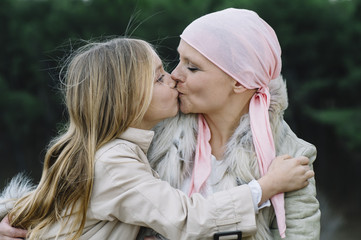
x: 145, y: 125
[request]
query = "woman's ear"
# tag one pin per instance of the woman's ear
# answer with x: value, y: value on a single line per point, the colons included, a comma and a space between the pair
x: 238, y: 88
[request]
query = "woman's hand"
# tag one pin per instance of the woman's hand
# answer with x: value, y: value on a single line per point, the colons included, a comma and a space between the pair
x: 7, y: 232
x: 285, y: 174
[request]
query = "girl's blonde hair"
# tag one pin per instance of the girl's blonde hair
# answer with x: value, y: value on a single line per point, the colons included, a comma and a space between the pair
x: 108, y: 87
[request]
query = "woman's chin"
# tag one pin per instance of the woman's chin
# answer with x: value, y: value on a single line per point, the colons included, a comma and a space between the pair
x: 184, y: 109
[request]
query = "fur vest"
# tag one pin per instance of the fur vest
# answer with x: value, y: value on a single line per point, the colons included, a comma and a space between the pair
x: 173, y: 148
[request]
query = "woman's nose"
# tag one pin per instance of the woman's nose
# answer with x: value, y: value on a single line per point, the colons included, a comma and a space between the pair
x: 170, y: 82
x: 175, y: 75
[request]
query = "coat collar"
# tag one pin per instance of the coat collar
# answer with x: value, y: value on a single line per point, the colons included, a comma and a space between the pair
x: 140, y: 137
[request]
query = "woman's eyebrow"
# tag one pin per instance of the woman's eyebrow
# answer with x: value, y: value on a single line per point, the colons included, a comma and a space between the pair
x: 180, y: 54
x: 185, y: 57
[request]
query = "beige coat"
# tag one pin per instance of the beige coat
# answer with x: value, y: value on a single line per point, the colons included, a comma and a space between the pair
x: 128, y: 194
x: 172, y: 154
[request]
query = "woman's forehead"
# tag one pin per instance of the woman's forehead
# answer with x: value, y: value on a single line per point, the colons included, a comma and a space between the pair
x: 187, y: 52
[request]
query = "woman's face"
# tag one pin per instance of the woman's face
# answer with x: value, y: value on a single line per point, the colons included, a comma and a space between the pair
x: 202, y: 86
x: 164, y: 103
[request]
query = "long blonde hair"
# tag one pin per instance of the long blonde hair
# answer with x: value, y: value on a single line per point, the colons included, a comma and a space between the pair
x: 108, y: 87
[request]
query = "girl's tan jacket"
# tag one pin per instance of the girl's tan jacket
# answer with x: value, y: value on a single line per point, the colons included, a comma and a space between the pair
x: 127, y: 194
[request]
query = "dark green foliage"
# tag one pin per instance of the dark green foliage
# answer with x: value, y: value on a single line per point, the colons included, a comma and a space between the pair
x: 320, y: 39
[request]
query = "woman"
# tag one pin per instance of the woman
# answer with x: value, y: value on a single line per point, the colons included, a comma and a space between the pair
x: 229, y: 78
x: 97, y: 182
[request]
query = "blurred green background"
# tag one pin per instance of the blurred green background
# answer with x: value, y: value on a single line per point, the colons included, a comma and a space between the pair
x: 321, y: 43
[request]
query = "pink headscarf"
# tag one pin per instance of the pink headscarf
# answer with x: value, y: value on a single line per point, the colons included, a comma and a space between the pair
x: 245, y: 47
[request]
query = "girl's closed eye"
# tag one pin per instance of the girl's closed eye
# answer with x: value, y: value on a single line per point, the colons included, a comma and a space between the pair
x: 160, y: 79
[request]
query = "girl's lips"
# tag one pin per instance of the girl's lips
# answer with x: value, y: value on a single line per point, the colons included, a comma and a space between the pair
x: 180, y: 92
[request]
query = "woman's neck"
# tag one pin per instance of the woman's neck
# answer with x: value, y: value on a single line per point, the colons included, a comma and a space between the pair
x: 223, y: 123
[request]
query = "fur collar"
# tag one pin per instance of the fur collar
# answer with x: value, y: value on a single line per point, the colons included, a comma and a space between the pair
x: 172, y: 150
x: 18, y: 187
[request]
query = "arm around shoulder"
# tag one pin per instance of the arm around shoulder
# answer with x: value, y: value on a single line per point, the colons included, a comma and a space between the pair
x: 135, y: 196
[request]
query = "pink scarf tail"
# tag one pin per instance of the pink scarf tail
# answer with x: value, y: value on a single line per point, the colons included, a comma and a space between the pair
x: 202, y: 161
x: 264, y: 146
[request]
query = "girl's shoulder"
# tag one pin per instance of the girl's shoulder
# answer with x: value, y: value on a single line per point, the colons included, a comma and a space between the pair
x: 117, y: 148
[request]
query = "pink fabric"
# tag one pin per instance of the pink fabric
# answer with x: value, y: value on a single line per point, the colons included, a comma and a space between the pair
x: 265, y: 148
x: 202, y: 167
x: 245, y: 47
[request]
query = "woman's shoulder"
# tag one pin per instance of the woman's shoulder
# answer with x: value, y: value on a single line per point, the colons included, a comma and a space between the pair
x: 291, y: 144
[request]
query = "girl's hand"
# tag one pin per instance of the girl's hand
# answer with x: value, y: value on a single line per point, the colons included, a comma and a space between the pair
x: 285, y: 174
x: 7, y: 232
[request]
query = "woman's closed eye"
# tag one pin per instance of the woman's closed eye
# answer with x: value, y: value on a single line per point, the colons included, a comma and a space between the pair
x: 193, y: 69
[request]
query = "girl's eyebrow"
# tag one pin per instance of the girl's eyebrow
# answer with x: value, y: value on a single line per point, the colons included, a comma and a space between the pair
x: 159, y: 67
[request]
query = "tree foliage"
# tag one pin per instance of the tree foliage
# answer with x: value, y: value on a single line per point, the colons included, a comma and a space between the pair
x: 320, y: 39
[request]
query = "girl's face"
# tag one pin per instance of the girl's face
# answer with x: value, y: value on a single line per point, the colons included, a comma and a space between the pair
x: 202, y: 86
x: 164, y: 103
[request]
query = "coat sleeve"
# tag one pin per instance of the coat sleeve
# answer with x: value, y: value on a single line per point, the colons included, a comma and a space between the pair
x: 302, y: 207
x: 125, y: 190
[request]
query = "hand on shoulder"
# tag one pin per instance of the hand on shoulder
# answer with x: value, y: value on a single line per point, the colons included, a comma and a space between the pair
x: 285, y: 174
